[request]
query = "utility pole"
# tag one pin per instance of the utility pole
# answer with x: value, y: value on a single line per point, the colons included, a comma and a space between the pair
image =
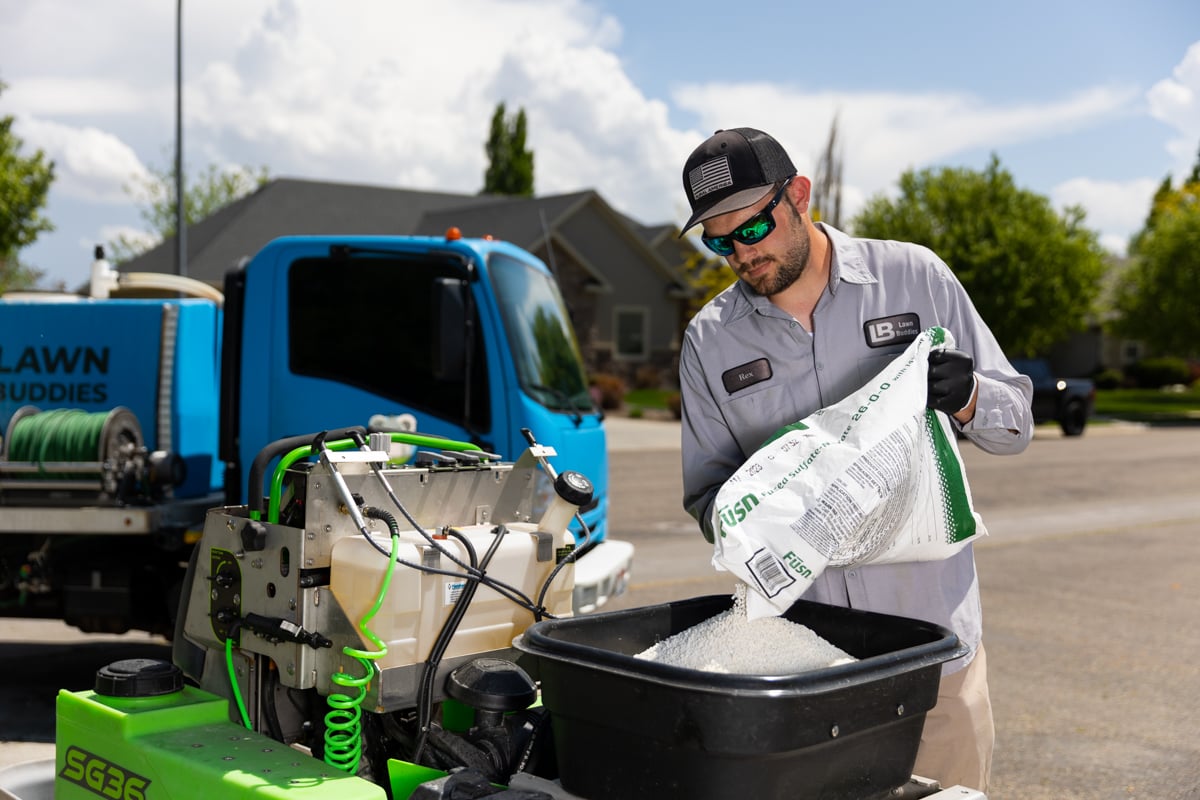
x: 180, y: 224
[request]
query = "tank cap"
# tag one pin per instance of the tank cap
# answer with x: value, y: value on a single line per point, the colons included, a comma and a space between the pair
x: 138, y: 677
x: 574, y: 487
x: 491, y: 684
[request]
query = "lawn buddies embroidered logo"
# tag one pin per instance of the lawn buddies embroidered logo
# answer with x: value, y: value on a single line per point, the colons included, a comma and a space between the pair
x: 898, y: 329
x: 710, y: 176
x: 747, y: 374
x: 102, y: 777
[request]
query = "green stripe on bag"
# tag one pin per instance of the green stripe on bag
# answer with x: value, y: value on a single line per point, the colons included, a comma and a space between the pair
x: 960, y: 522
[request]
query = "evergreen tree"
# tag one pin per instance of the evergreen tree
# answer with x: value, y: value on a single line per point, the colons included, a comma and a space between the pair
x: 510, y: 165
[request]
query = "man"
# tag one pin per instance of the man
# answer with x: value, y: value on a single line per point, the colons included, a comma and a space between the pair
x: 814, y: 315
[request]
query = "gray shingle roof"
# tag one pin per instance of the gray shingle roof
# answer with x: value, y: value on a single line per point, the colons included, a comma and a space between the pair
x: 289, y: 206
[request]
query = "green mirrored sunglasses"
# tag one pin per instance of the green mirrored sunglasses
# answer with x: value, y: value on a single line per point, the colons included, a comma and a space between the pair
x: 752, y: 231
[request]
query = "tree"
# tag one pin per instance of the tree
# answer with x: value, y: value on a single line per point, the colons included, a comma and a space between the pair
x: 827, y: 186
x: 1033, y: 274
x: 203, y: 196
x: 24, y: 184
x: 709, y: 277
x: 1157, y: 294
x: 510, y: 165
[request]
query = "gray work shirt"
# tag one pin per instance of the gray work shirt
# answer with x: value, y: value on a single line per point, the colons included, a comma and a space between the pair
x: 747, y: 368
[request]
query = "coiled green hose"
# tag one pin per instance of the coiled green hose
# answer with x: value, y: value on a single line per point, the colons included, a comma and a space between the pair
x: 62, y: 434
x: 343, y: 721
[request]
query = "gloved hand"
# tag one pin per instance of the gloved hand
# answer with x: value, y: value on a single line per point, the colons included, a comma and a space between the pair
x: 951, y: 380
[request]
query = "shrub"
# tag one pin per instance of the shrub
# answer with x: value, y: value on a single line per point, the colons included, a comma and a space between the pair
x: 646, y: 377
x: 608, y: 389
x: 1154, y: 373
x: 675, y: 403
x: 1109, y: 379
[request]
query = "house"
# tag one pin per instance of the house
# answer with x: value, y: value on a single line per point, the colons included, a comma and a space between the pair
x: 624, y: 283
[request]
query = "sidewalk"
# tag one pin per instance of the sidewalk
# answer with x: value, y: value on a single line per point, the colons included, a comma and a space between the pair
x: 630, y: 434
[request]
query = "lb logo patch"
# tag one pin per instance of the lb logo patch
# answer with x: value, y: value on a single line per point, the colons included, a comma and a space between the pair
x: 885, y: 331
x: 102, y: 777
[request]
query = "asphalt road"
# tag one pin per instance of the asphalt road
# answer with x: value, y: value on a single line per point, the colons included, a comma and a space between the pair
x: 1091, y: 590
x: 1090, y: 579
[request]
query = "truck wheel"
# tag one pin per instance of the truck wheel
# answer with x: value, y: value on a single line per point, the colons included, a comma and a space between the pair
x: 1074, y: 419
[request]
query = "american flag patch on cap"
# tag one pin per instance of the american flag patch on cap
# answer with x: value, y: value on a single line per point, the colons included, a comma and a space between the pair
x: 710, y: 176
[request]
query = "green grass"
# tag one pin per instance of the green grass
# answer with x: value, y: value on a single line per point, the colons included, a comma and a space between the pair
x: 649, y: 398
x: 1148, y: 405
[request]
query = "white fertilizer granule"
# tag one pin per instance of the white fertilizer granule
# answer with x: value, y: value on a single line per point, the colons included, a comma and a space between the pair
x: 732, y: 643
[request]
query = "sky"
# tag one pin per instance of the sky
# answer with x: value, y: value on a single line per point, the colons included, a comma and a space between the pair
x: 1086, y: 102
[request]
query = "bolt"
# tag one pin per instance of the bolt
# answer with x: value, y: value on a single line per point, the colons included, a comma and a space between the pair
x: 900, y: 710
x: 833, y: 732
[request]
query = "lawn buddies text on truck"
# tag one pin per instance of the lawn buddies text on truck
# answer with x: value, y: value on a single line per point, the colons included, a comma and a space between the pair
x: 125, y: 420
x: 366, y: 628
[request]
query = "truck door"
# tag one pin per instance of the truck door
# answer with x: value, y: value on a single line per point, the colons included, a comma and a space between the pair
x: 360, y: 339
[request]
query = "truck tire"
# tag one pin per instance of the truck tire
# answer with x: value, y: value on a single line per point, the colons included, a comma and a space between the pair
x: 1074, y: 418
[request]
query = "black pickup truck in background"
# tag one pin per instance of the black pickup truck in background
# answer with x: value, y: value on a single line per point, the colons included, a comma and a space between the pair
x: 1067, y: 401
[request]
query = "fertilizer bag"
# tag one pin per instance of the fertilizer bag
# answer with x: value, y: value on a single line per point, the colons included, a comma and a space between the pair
x: 874, y: 479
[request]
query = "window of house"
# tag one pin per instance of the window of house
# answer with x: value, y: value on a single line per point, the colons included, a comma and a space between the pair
x: 631, y: 326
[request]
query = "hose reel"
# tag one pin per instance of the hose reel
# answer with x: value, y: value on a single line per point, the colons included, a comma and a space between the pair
x: 81, y: 455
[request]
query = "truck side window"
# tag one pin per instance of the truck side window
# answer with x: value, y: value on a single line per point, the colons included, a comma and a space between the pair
x: 367, y: 321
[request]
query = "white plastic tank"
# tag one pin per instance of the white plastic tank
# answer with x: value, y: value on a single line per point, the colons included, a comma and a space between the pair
x: 418, y: 602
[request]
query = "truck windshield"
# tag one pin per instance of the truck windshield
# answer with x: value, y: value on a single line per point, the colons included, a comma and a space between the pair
x: 549, y: 366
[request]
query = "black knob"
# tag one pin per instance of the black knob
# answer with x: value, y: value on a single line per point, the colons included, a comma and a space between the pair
x: 574, y: 487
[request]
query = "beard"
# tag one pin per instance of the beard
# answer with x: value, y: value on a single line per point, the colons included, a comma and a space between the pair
x: 789, y: 268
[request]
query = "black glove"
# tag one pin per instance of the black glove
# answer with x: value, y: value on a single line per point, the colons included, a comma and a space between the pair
x: 951, y: 380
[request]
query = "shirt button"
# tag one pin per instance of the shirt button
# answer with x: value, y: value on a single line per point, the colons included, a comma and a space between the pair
x: 851, y: 573
x: 820, y: 365
x: 794, y: 324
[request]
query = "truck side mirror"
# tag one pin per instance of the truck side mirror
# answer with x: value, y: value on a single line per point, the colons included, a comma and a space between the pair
x: 450, y: 329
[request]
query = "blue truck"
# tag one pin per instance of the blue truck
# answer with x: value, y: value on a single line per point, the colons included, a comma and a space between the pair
x: 126, y: 418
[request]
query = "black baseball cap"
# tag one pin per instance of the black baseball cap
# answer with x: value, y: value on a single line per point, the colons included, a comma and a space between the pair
x: 732, y: 169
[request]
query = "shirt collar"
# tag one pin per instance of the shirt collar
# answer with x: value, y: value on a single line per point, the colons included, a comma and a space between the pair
x: 847, y: 263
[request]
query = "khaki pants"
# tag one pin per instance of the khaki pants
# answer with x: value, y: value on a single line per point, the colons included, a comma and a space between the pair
x: 956, y: 743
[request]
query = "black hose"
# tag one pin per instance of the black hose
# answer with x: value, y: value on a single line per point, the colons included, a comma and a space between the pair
x: 280, y: 447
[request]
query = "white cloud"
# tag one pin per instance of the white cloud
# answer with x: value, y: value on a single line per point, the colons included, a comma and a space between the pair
x: 1176, y: 101
x: 89, y: 164
x: 883, y: 134
x: 1117, y: 208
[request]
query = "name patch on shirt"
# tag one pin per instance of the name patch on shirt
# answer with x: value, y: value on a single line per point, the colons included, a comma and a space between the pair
x: 747, y: 374
x: 899, y: 329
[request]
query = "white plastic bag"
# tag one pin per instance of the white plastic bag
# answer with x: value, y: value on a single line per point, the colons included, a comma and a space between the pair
x: 874, y: 479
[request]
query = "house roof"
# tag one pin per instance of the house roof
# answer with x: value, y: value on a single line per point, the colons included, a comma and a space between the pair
x: 288, y: 206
